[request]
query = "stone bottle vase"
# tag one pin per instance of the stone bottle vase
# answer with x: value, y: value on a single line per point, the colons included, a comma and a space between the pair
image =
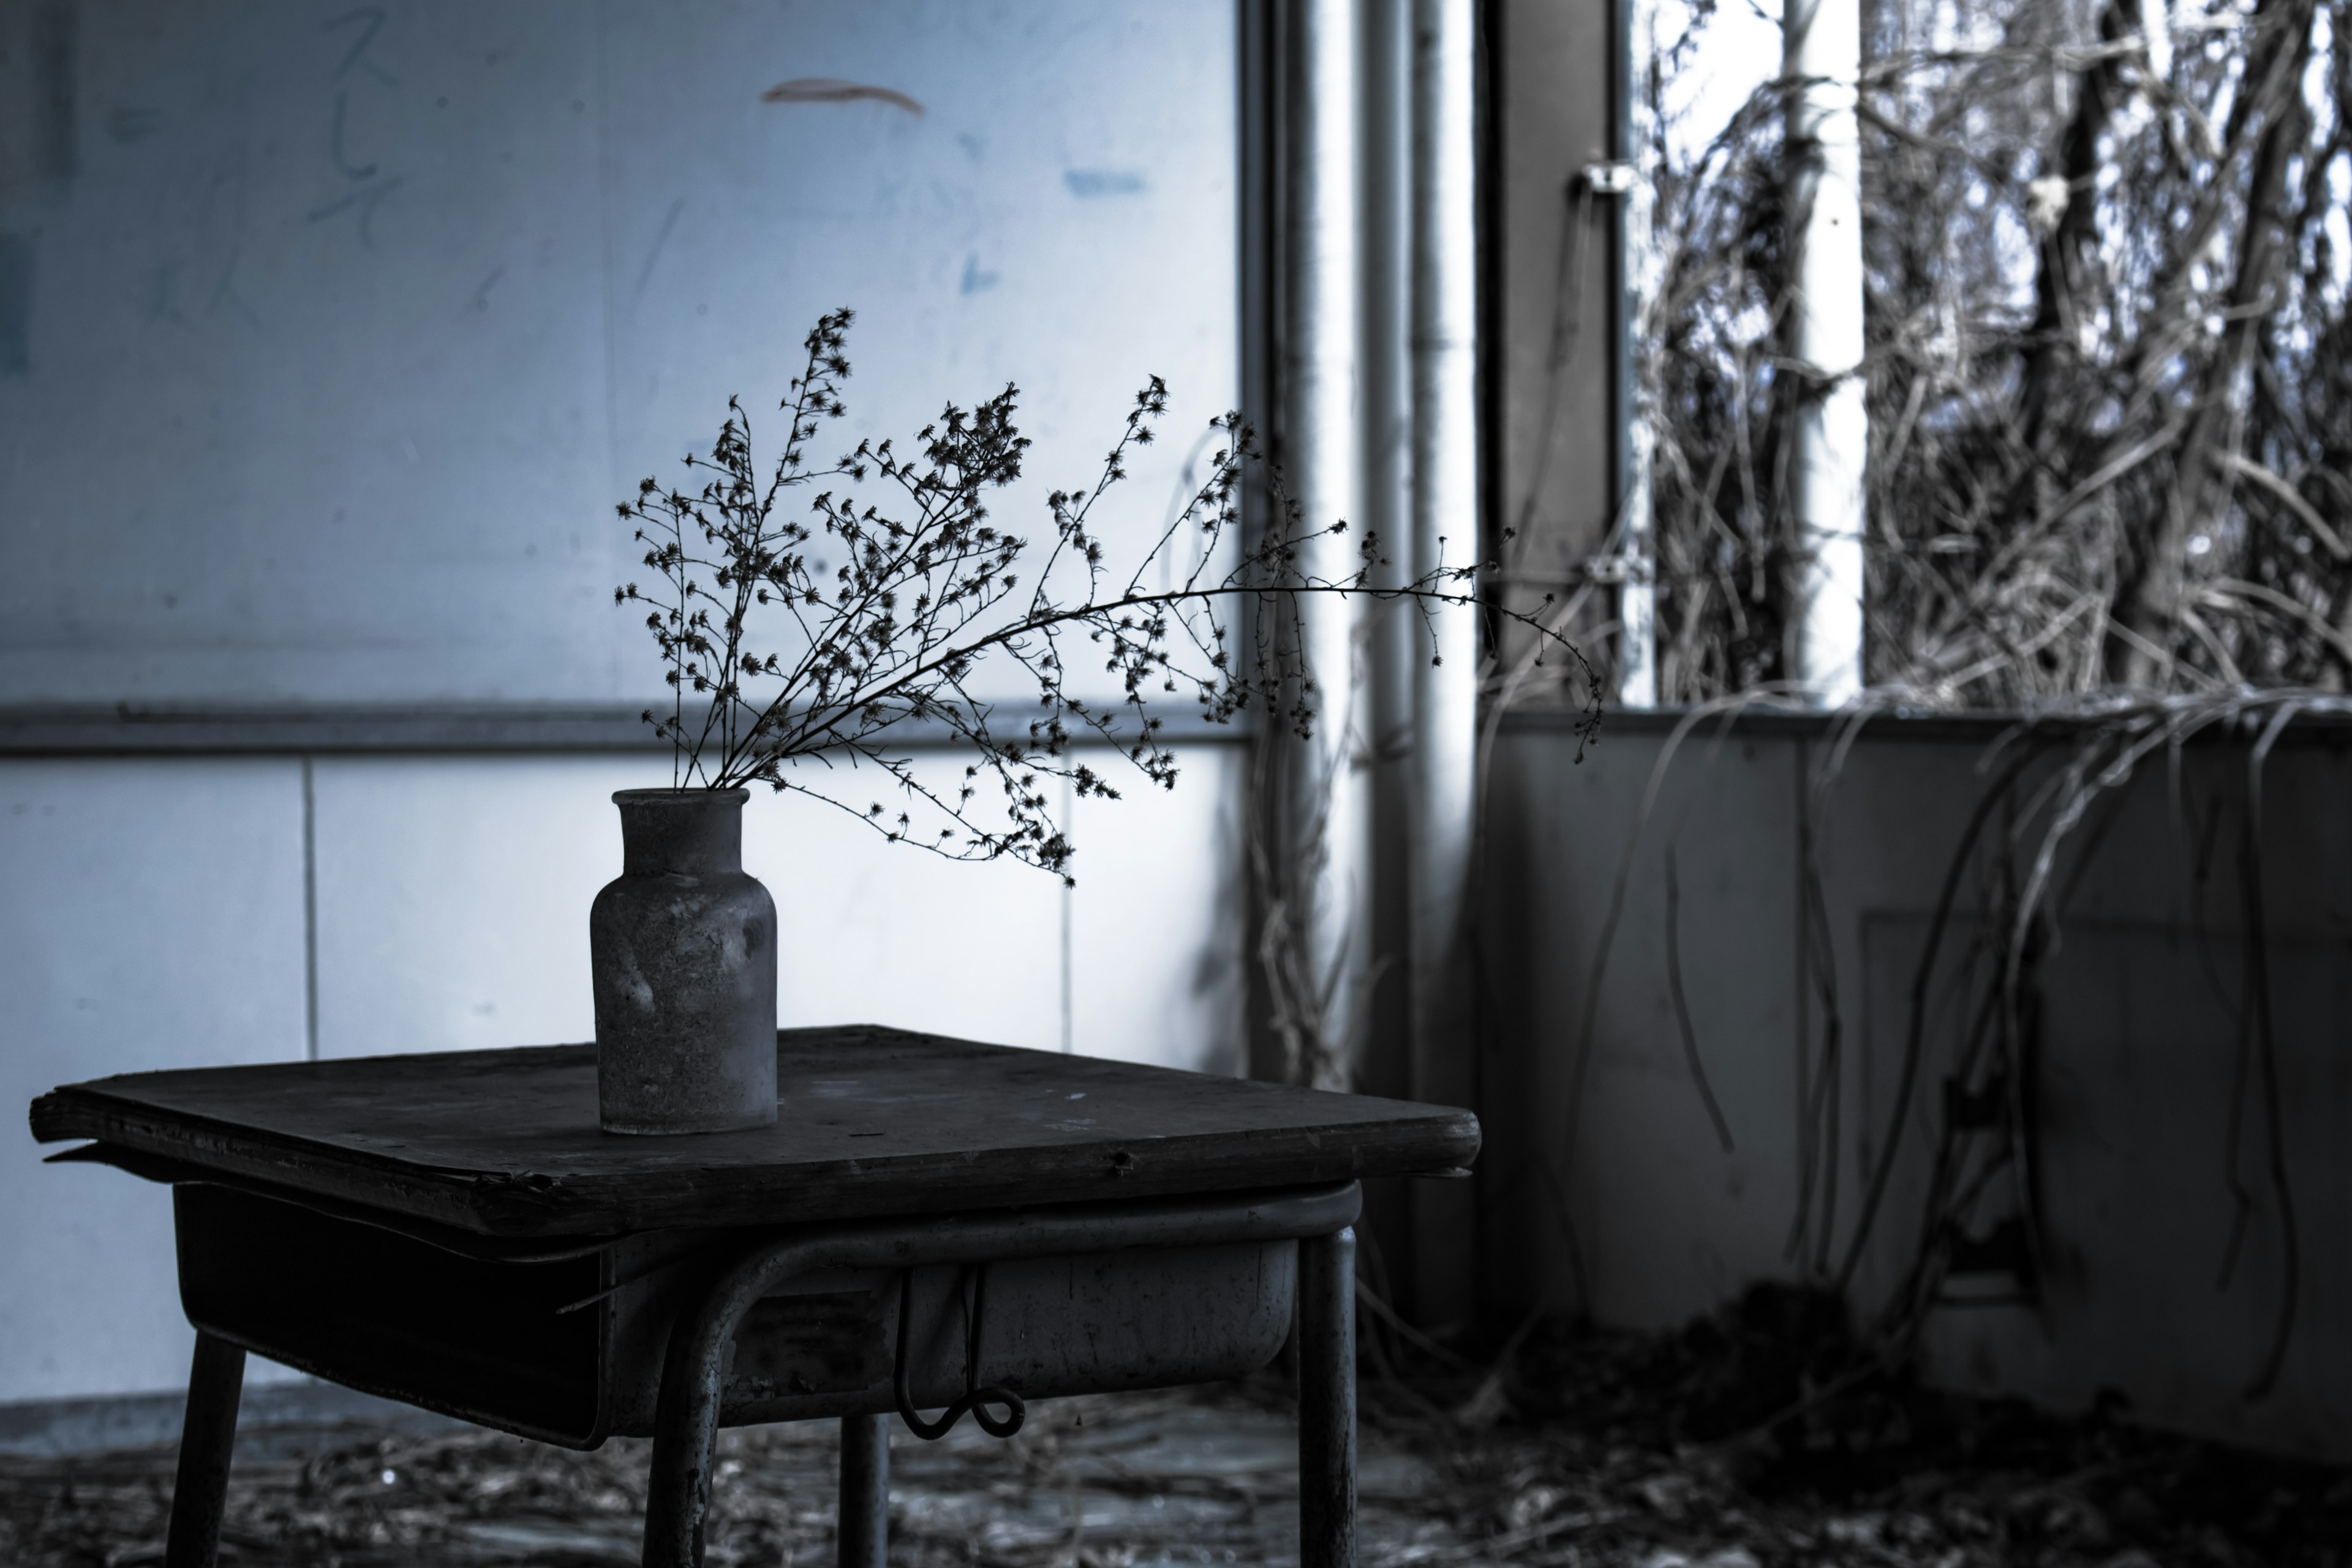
x: 682, y: 947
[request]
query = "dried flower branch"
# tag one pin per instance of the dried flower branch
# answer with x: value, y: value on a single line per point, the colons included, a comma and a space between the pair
x: 809, y: 632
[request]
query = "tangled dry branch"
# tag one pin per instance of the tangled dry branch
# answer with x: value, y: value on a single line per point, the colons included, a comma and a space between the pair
x: 2109, y: 372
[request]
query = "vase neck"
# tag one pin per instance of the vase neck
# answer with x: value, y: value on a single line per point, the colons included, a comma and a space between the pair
x: 689, y: 832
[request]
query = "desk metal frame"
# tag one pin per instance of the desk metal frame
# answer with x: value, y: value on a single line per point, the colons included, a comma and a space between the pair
x: 678, y: 1501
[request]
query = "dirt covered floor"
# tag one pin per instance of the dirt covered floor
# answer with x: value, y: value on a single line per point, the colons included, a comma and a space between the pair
x: 1729, y: 1445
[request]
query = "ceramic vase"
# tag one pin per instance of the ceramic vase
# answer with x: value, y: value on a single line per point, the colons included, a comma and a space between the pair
x: 682, y: 946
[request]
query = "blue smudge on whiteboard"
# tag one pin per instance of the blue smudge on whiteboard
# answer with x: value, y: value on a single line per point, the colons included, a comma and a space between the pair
x: 1103, y: 182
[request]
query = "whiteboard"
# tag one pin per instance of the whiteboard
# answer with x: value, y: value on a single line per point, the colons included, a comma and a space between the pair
x: 339, y: 330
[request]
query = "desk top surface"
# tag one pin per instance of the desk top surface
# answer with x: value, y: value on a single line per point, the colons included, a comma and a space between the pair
x: 870, y: 1122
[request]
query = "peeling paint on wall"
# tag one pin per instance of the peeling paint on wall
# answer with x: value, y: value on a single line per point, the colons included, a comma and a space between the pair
x: 832, y: 89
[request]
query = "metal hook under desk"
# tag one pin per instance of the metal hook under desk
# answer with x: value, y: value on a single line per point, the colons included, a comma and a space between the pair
x: 975, y: 1398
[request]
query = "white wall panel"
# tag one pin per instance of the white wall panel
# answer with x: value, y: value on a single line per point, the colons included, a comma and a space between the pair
x: 150, y: 916
x: 453, y: 899
x: 1157, y: 918
x: 454, y: 894
x: 2134, y: 1062
x: 1667, y: 1224
x: 871, y: 931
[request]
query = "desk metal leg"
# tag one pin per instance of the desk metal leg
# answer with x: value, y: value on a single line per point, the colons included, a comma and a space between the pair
x: 215, y: 1381
x: 685, y: 1422
x: 1326, y: 1401
x: 864, y: 1528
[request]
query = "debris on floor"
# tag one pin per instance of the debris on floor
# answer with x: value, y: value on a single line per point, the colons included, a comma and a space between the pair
x: 1749, y: 1440
x: 1202, y: 1476
x: 1765, y: 1436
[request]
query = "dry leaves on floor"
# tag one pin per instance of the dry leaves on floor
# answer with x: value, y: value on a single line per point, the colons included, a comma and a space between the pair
x: 1733, y: 1443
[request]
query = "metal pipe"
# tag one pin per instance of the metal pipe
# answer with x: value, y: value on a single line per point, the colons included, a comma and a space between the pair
x: 862, y: 1533
x: 1445, y: 526
x: 1326, y: 794
x: 1637, y: 592
x: 1823, y: 63
x: 1387, y: 98
x: 677, y: 1500
x: 1326, y: 1401
x: 207, y: 1437
x: 1385, y: 253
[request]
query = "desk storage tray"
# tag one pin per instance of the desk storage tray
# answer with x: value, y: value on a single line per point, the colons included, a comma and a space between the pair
x: 570, y: 1350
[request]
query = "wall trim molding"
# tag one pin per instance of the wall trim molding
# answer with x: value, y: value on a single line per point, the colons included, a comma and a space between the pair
x: 132, y: 730
x: 1982, y: 728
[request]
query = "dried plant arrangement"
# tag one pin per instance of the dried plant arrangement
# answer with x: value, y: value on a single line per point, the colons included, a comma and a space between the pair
x: 803, y: 638
x: 2108, y: 354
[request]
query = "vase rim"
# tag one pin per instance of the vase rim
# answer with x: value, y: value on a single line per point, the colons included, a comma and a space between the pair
x: 734, y: 795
